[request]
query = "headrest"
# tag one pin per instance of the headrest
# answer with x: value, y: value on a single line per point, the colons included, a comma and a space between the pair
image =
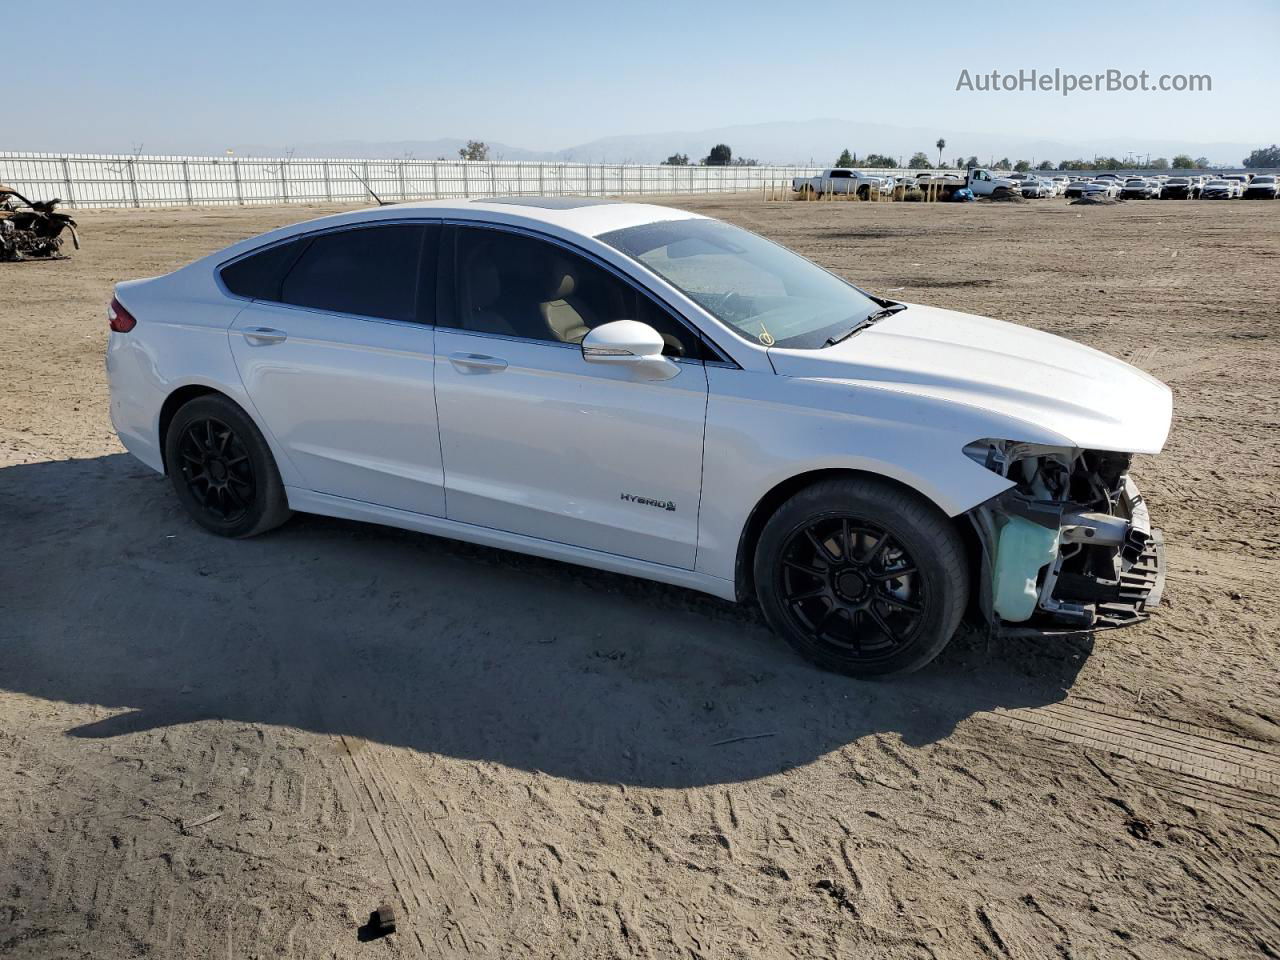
x: 562, y: 281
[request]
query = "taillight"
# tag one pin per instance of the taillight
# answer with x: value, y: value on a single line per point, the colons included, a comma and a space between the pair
x: 121, y: 320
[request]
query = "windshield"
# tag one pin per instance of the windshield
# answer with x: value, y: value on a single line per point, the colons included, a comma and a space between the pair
x: 764, y: 292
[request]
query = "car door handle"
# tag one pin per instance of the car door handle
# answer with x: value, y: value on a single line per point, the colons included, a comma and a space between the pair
x: 467, y: 362
x: 262, y: 336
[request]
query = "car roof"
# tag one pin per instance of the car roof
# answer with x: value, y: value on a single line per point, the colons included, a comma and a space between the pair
x: 584, y: 216
x: 590, y: 216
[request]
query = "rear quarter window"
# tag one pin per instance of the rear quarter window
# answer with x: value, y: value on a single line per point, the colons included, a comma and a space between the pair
x: 259, y: 275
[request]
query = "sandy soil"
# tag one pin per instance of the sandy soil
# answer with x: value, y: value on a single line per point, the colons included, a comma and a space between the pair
x: 529, y: 759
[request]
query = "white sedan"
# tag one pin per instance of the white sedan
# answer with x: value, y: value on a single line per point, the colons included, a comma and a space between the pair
x: 648, y: 391
x: 1034, y: 188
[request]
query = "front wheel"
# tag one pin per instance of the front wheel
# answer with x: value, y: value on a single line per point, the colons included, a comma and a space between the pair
x: 861, y: 577
x: 222, y: 469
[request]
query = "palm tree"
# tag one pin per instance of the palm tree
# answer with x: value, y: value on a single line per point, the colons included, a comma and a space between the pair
x: 941, y: 145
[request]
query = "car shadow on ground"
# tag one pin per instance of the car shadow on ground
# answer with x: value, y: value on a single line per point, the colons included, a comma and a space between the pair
x: 110, y: 596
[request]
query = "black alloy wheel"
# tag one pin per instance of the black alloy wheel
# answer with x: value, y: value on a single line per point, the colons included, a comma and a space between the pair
x: 222, y: 469
x: 217, y: 469
x: 862, y: 576
x: 852, y: 586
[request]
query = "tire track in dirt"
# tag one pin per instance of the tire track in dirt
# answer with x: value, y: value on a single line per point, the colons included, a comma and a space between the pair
x: 433, y: 853
x: 1204, y: 766
x: 433, y: 887
x: 373, y: 811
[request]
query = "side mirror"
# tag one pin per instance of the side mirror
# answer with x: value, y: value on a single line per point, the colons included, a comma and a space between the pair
x: 629, y: 343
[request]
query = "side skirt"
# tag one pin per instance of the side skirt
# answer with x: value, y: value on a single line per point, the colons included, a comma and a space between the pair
x: 309, y: 501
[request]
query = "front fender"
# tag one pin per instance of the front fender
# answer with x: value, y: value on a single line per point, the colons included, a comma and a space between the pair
x: 763, y: 430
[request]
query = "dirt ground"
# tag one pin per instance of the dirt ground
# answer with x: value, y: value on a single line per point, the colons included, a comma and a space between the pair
x: 239, y: 749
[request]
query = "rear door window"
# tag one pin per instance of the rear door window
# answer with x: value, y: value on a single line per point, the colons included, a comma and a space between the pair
x: 367, y: 271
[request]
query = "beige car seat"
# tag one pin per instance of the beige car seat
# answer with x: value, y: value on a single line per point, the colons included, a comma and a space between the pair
x: 566, y: 316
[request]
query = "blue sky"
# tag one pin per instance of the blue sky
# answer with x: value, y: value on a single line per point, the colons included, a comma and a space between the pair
x: 184, y: 76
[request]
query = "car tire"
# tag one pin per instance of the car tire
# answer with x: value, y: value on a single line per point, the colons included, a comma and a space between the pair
x: 862, y: 577
x: 222, y: 469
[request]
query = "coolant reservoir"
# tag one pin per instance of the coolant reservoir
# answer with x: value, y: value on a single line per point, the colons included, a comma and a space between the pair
x: 1023, y: 549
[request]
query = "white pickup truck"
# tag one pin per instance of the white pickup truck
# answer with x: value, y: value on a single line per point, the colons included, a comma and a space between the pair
x: 979, y: 180
x: 843, y: 180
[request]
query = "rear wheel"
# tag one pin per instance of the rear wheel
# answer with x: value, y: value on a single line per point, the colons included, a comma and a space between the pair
x: 861, y: 577
x: 222, y: 469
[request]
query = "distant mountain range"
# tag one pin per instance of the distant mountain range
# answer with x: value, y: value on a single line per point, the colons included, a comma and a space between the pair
x: 800, y: 142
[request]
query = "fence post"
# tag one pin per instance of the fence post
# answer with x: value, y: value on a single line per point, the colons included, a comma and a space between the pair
x: 284, y: 185
x: 133, y: 183
x: 328, y: 187
x: 366, y: 176
x: 235, y: 167
x: 186, y: 179
x: 542, y: 179
x: 400, y: 168
x: 66, y: 177
x: 466, y: 180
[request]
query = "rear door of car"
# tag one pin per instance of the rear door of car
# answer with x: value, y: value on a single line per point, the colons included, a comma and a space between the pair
x: 539, y: 441
x: 337, y: 354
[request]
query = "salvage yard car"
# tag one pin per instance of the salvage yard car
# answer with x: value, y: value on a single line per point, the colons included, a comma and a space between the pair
x: 977, y: 179
x: 1238, y: 181
x: 1180, y: 188
x: 1139, y: 188
x: 842, y: 180
x: 1261, y: 187
x: 1033, y: 188
x: 644, y: 390
x: 1219, y: 190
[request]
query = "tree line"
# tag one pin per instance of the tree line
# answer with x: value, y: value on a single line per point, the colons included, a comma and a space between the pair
x: 721, y: 155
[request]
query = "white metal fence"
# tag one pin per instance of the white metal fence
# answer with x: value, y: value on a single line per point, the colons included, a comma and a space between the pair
x: 83, y: 180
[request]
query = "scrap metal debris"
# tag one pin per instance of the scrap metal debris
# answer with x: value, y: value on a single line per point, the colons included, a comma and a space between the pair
x: 381, y: 923
x: 32, y: 230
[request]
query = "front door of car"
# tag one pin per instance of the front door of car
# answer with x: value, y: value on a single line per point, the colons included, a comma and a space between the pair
x: 539, y: 441
x: 338, y: 359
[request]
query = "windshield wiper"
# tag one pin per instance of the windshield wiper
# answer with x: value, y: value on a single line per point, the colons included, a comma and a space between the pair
x: 867, y: 321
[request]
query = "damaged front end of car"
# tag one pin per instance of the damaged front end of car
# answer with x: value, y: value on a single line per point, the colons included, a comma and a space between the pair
x: 1070, y: 545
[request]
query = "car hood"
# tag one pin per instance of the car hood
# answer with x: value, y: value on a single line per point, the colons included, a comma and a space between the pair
x: 1082, y: 395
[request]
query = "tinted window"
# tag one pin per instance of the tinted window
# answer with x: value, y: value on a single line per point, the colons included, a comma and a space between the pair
x: 370, y: 271
x: 258, y: 275
x: 521, y: 286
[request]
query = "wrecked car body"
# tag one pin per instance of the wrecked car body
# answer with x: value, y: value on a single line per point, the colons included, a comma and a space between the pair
x: 1064, y: 538
x: 32, y: 229
x: 867, y: 470
x: 1070, y: 545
